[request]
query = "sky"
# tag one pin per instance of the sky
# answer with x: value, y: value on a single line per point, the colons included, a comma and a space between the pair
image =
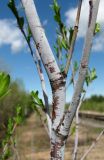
x: 14, y: 53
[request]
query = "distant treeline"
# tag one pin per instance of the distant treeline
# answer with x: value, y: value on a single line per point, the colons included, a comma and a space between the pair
x: 16, y: 96
x: 94, y: 103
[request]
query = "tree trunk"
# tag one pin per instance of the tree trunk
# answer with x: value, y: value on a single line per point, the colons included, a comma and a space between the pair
x: 60, y: 122
x: 57, y: 147
x: 59, y: 101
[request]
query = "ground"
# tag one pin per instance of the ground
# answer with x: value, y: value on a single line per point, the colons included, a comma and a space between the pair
x: 33, y: 142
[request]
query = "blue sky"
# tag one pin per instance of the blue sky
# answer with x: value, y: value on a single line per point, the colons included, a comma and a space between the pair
x: 15, y: 56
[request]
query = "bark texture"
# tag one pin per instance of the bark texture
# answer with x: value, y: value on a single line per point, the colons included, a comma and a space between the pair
x: 67, y: 120
x: 61, y: 121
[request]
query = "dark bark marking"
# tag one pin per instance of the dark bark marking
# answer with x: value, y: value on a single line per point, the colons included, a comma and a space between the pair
x: 52, y: 69
x: 90, y: 14
x: 57, y: 83
x: 47, y: 64
x: 40, y: 66
x: 38, y: 46
x: 84, y: 64
x: 54, y: 106
x: 55, y: 150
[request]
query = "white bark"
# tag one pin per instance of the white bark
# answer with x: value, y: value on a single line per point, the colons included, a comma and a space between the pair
x: 65, y: 126
x: 40, y: 39
x: 49, y: 62
x: 40, y: 72
x: 76, y: 134
x: 60, y: 124
x: 57, y: 147
x: 77, y: 128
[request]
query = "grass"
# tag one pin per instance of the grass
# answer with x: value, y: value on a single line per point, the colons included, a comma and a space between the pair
x: 93, y: 106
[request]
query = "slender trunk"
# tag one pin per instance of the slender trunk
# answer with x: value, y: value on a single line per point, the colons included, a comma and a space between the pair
x: 76, y: 135
x: 57, y: 147
x: 59, y: 100
x: 43, y: 47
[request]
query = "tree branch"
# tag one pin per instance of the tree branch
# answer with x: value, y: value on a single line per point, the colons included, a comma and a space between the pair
x: 40, y: 72
x: 68, y: 117
x: 40, y: 39
x: 73, y: 39
x: 56, y: 78
x: 77, y: 128
x: 93, y: 145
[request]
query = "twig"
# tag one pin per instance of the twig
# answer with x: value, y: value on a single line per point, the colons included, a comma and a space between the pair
x: 41, y: 75
x: 17, y: 157
x: 77, y: 117
x: 77, y: 127
x: 93, y: 145
x: 70, y: 53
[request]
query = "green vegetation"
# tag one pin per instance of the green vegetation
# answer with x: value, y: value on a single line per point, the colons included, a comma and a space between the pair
x: 15, y: 97
x: 15, y: 105
x: 9, y: 139
x: 4, y: 83
x: 94, y: 103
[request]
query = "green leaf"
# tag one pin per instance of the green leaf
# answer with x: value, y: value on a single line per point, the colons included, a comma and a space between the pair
x: 12, y: 7
x: 4, y: 83
x: 58, y: 41
x: 37, y: 100
x: 90, y: 76
x: 97, y: 28
x: 93, y: 75
x: 10, y: 126
x: 18, y: 110
x: 29, y: 34
x: 19, y: 115
x: 87, y: 79
x: 20, y: 20
x: 64, y: 44
x: 18, y: 120
x: 71, y: 30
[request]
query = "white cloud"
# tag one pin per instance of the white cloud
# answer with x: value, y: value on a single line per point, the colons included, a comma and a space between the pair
x: 11, y: 35
x: 70, y: 19
x: 45, y: 22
